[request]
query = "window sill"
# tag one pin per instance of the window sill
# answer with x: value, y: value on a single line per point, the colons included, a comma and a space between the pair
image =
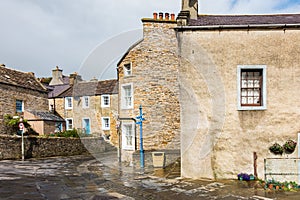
x: 245, y: 108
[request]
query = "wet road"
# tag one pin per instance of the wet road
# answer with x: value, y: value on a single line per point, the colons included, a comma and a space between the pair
x: 84, y: 177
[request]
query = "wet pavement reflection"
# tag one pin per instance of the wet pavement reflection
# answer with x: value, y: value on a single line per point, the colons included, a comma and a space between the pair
x: 84, y: 177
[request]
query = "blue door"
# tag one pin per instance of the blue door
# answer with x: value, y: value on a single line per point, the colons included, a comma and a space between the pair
x: 87, y: 126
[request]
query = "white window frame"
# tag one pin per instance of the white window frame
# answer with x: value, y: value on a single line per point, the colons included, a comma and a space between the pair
x: 22, y: 108
x: 67, y: 124
x: 104, y: 127
x: 67, y: 106
x: 103, y: 100
x: 127, y: 72
x: 84, y: 105
x: 125, y: 145
x: 124, y: 100
x: 263, y: 87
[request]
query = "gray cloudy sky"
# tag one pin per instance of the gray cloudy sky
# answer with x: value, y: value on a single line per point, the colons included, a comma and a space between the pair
x: 37, y: 35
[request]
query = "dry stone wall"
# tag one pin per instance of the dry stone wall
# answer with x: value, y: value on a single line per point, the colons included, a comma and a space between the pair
x: 38, y: 147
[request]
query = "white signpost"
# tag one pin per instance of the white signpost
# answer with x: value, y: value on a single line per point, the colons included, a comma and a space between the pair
x: 21, y: 128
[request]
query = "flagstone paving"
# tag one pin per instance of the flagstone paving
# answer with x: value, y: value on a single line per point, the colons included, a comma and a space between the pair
x: 84, y: 177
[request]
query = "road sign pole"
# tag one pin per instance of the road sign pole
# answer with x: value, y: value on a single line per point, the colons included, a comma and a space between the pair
x: 140, y: 122
x: 21, y: 128
x: 23, y: 157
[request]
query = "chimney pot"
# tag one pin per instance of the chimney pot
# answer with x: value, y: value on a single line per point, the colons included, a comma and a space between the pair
x: 155, y: 16
x: 172, y: 16
x: 167, y: 16
x: 161, y: 16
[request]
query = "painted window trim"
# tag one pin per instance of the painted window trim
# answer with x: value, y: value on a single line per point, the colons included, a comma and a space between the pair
x: 67, y: 107
x: 102, y: 100
x: 22, y: 108
x: 67, y: 124
x: 125, y: 70
x: 124, y: 146
x: 123, y: 106
x: 83, y: 102
x: 264, y: 87
x: 103, y: 123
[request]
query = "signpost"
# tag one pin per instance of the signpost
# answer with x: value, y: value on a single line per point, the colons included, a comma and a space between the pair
x: 21, y: 128
x: 140, y: 122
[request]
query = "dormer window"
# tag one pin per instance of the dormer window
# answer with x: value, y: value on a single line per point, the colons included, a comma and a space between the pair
x: 127, y: 69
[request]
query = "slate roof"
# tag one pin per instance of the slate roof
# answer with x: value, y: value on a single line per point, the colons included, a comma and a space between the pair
x: 20, y: 79
x: 46, y: 116
x: 57, y: 90
x: 222, y: 20
x: 107, y: 87
x: 91, y: 88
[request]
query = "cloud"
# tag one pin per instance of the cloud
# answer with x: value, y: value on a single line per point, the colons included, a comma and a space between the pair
x: 248, y: 6
x: 37, y: 35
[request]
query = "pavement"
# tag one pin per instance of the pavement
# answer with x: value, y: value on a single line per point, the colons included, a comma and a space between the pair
x: 86, y: 177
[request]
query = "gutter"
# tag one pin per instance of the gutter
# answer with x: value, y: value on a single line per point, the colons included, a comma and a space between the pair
x: 253, y: 26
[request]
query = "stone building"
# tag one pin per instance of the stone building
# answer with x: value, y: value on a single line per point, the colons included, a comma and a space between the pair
x: 21, y: 92
x: 147, y: 76
x: 239, y: 78
x: 88, y: 106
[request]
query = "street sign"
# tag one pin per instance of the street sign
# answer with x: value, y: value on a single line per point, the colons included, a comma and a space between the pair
x: 21, y: 126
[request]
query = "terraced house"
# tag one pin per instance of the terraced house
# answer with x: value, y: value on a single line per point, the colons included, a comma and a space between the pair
x: 88, y: 106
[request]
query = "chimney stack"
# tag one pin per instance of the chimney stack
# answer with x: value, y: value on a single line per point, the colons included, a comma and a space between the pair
x: 191, y: 6
x: 57, y: 77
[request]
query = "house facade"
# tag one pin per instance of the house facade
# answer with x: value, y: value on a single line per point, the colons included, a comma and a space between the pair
x: 239, y: 76
x: 88, y: 106
x: 147, y: 76
x: 19, y: 92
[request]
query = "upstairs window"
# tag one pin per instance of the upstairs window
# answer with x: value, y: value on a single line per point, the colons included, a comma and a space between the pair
x: 105, y: 101
x: 19, y: 106
x: 127, y: 96
x: 85, y: 102
x: 251, y: 87
x: 127, y: 69
x: 68, y: 102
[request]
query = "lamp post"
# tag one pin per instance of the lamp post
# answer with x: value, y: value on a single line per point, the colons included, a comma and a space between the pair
x: 140, y: 122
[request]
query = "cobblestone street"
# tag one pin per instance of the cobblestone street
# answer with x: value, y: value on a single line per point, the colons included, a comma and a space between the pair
x: 84, y: 177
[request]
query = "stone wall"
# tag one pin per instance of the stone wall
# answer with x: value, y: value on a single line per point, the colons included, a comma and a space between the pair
x: 95, y: 113
x: 155, y: 86
x: 170, y: 156
x: 38, y: 147
x: 33, y: 100
x: 218, y: 140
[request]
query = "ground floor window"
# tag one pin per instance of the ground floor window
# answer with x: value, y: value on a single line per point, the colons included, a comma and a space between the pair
x: 128, y: 136
x: 69, y: 123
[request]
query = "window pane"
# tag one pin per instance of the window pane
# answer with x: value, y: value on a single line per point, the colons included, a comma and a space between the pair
x: 244, y: 92
x: 251, y: 87
x: 19, y: 106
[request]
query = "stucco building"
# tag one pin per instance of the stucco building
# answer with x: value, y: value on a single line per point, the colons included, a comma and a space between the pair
x: 239, y: 76
x: 227, y: 84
